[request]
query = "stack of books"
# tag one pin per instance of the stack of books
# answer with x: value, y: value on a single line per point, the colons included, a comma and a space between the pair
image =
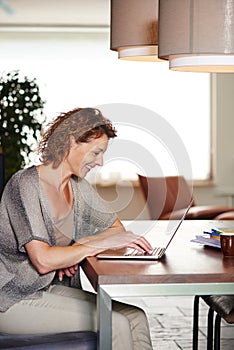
x: 211, y: 239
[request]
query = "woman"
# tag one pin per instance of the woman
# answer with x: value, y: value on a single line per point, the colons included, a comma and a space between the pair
x: 50, y: 220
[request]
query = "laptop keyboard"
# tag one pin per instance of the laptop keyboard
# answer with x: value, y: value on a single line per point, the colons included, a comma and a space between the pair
x: 156, y: 251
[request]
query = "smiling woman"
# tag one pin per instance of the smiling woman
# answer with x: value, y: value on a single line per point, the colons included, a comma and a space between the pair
x: 73, y: 144
x: 52, y: 215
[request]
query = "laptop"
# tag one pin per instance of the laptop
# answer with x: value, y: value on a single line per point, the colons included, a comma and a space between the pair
x: 133, y: 254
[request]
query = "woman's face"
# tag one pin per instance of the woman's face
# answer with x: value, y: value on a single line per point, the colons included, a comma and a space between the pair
x: 83, y: 156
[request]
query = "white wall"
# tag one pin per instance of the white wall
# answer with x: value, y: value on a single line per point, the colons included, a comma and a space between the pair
x: 223, y: 167
x: 223, y: 112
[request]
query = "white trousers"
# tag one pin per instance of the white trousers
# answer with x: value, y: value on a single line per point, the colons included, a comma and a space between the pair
x: 64, y: 309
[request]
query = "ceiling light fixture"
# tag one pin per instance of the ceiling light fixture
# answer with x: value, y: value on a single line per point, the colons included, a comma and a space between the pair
x: 134, y: 29
x: 197, y: 35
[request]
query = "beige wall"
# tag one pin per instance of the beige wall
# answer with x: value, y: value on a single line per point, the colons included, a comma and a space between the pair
x: 129, y: 203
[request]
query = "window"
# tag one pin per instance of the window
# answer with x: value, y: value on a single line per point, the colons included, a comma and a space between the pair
x: 78, y: 69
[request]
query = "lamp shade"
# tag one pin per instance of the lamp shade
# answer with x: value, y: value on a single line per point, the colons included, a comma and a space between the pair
x: 197, y: 35
x: 134, y: 29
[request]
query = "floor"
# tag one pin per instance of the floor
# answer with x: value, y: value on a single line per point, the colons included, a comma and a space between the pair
x: 171, y: 319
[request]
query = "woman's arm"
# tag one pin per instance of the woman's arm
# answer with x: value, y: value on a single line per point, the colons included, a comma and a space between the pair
x: 70, y: 271
x: 116, y: 227
x: 46, y: 258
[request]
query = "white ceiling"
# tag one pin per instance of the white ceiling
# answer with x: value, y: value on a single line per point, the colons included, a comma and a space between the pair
x: 54, y: 12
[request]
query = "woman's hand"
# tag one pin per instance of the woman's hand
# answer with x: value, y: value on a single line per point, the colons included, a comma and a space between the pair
x: 139, y: 243
x: 116, y: 240
x: 69, y: 272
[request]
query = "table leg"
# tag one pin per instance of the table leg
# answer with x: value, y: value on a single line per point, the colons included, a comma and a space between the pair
x: 104, y: 314
x: 195, y: 321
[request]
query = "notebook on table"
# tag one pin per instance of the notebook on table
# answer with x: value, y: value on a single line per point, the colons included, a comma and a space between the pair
x: 156, y: 254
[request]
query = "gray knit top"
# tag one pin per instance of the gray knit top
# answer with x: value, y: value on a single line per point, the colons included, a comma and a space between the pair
x: 25, y: 216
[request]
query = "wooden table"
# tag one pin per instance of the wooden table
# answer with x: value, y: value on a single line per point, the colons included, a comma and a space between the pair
x: 187, y: 269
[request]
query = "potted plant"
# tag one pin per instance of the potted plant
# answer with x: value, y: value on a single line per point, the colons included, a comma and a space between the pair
x: 21, y: 107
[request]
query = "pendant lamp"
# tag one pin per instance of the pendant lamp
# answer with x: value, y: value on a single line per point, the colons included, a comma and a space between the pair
x: 197, y: 35
x: 134, y: 29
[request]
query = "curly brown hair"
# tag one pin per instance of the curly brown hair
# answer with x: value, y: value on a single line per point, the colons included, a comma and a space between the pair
x: 84, y: 124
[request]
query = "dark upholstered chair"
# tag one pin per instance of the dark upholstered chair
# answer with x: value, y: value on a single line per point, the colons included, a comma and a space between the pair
x: 82, y: 340
x: 168, y: 197
x: 222, y: 306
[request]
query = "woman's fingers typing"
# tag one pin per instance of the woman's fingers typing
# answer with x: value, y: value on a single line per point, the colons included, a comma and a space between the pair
x: 141, y: 244
x: 130, y: 240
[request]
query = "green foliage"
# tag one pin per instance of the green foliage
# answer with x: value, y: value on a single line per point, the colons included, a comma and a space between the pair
x: 20, y: 109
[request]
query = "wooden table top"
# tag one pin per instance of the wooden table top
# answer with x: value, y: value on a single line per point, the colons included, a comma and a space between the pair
x: 184, y: 262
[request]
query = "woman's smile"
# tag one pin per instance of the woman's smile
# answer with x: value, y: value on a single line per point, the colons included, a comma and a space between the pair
x: 85, y: 156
